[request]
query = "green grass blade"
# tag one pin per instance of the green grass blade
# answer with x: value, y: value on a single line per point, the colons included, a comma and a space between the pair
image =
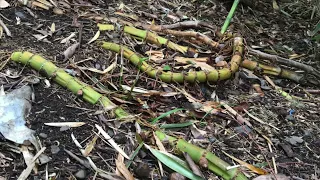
x: 229, y: 17
x: 134, y: 155
x: 177, y: 125
x: 166, y: 114
x: 172, y: 164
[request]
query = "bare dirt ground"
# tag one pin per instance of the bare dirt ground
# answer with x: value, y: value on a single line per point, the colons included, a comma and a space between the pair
x: 294, y: 134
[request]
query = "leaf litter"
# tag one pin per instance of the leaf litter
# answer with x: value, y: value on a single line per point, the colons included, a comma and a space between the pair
x: 248, y: 121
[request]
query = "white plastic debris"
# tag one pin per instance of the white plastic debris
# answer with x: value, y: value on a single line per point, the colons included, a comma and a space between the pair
x: 14, y: 107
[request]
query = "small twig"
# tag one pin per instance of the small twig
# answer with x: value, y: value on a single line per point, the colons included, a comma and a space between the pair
x: 193, y: 165
x: 260, y: 121
x: 273, y: 160
x: 5, y: 28
x: 25, y: 173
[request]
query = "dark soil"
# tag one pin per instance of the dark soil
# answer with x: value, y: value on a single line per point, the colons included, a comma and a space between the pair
x: 56, y: 104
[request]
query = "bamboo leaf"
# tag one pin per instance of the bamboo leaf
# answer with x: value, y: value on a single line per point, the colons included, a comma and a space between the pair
x: 69, y: 124
x: 177, y: 125
x: 166, y: 68
x: 172, y: 164
x: 134, y: 155
x: 53, y: 28
x: 124, y: 170
x: 95, y: 37
x: 111, y: 141
x: 249, y: 166
x: 166, y: 114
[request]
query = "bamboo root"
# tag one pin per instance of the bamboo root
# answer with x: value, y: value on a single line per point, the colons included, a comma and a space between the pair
x: 193, y: 76
x: 215, y: 164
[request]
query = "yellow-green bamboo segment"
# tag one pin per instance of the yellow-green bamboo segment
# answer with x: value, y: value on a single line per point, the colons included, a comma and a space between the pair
x: 193, y: 76
x: 215, y: 164
x: 275, y: 71
x: 64, y: 79
x: 158, y: 40
x: 58, y: 75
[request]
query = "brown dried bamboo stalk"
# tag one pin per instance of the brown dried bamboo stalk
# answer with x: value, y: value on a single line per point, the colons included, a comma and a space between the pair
x: 207, y: 40
x: 285, y: 61
x: 185, y: 24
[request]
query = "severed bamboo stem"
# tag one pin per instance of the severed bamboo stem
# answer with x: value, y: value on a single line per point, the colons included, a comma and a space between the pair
x: 64, y: 79
x: 275, y: 71
x: 193, y: 76
x: 284, y: 61
x: 215, y: 164
x: 158, y: 40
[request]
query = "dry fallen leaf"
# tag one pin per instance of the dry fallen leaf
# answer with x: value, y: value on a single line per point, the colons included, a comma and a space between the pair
x: 111, y: 141
x: 1, y: 31
x: 67, y: 39
x: 4, y: 4
x: 124, y: 170
x: 95, y: 37
x: 197, y: 63
x: 62, y: 124
x: 90, y: 146
x: 70, y: 51
x: 249, y: 166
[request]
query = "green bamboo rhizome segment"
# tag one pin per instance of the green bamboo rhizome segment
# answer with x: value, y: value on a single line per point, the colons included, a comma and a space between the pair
x: 64, y: 79
x: 275, y: 71
x: 158, y: 40
x: 193, y: 76
x: 215, y: 164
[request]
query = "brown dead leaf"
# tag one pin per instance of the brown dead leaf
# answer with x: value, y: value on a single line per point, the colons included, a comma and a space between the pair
x: 159, y: 143
x: 62, y: 124
x: 124, y: 171
x: 95, y: 37
x: 70, y: 51
x: 203, y: 65
x: 90, y: 146
x: 222, y: 64
x: 155, y: 55
x: 197, y: 133
x: 249, y: 166
x: 238, y: 117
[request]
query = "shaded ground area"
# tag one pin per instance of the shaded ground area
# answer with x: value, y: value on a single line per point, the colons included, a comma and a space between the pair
x: 292, y: 128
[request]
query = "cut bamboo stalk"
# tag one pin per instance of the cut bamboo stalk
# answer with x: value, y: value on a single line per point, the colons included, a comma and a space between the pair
x: 159, y: 41
x: 215, y: 164
x: 64, y: 79
x: 259, y: 68
x: 275, y: 71
x: 193, y: 76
